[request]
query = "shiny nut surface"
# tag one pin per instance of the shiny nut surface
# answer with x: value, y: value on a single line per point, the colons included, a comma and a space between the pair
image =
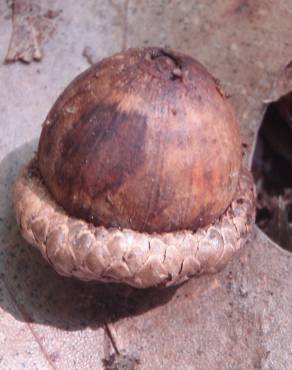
x: 143, y: 140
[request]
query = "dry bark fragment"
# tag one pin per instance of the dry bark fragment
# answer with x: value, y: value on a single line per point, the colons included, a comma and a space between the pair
x: 32, y: 25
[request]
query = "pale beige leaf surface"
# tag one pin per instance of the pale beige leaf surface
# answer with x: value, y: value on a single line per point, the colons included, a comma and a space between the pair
x: 238, y: 319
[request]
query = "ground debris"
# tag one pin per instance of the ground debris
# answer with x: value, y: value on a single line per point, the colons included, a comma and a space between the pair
x: 121, y: 361
x: 32, y: 25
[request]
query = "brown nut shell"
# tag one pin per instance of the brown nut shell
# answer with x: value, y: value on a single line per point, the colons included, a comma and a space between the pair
x: 77, y: 248
x: 143, y: 140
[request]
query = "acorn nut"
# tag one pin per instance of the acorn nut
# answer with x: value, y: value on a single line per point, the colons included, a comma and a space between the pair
x: 138, y: 176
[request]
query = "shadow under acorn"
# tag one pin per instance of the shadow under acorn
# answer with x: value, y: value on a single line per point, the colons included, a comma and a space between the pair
x: 32, y: 291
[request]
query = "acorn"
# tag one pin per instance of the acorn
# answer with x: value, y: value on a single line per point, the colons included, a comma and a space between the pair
x: 138, y: 176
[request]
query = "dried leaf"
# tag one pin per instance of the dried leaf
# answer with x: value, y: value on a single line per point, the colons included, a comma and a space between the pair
x: 282, y: 84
